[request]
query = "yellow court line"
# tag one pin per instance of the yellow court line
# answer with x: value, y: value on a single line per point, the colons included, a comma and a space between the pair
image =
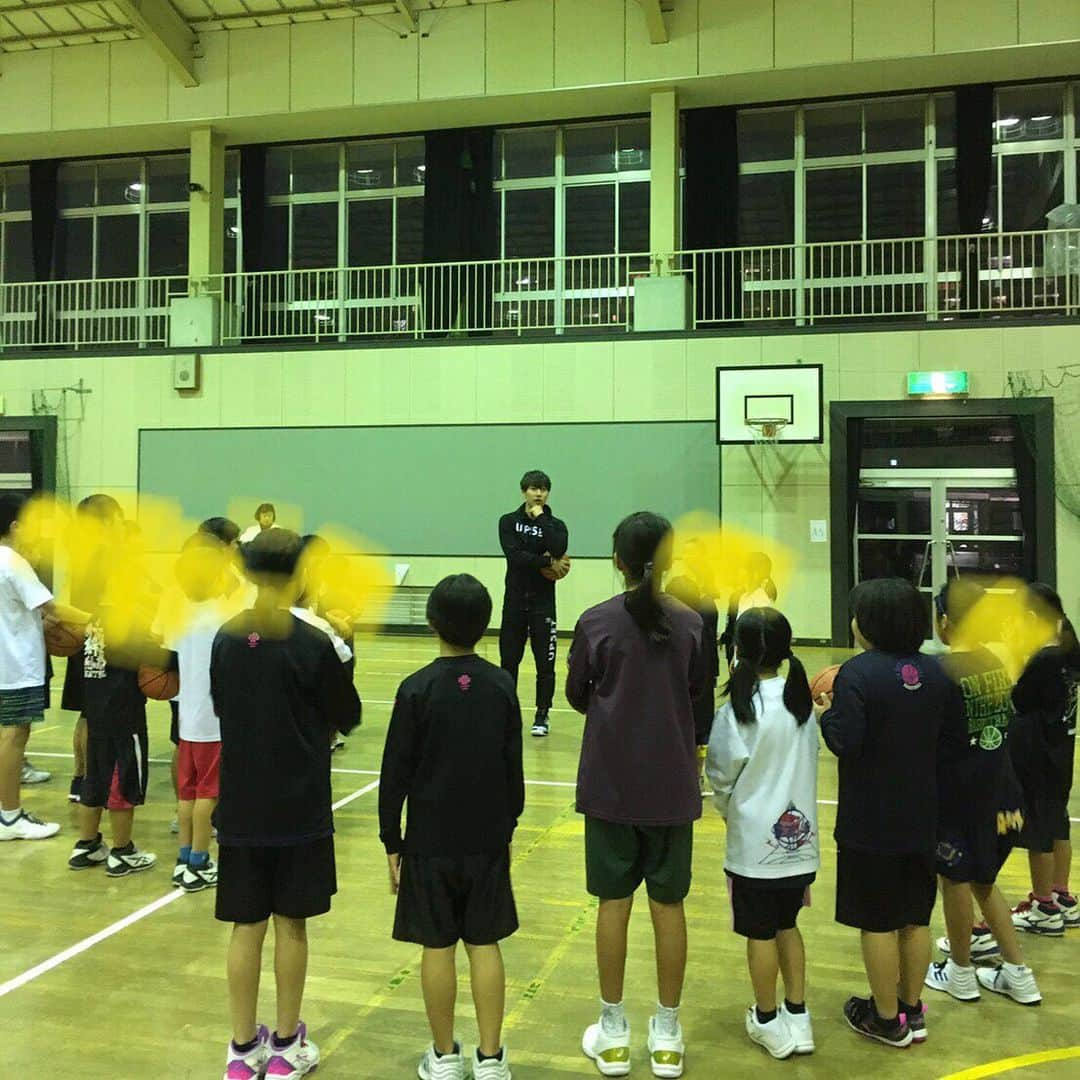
x: 996, y: 1068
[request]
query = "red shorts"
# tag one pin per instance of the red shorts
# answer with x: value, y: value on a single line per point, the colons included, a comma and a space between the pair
x: 116, y: 800
x: 197, y: 767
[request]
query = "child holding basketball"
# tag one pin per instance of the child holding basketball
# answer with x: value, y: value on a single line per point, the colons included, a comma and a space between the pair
x: 277, y: 687
x: 1043, y: 751
x: 453, y: 753
x: 980, y: 807
x: 635, y: 667
x: 763, y: 767
x: 889, y: 707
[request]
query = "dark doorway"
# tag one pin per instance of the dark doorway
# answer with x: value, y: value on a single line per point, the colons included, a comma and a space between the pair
x: 928, y: 489
x: 28, y: 454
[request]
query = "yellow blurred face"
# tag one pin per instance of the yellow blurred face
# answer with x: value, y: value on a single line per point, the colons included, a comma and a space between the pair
x: 266, y: 519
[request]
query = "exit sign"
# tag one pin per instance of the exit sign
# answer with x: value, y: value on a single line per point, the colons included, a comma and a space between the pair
x: 934, y: 383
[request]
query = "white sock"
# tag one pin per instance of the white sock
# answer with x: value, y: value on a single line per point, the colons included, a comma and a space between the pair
x: 9, y: 817
x: 612, y: 1018
x: 1014, y: 969
x: 667, y: 1020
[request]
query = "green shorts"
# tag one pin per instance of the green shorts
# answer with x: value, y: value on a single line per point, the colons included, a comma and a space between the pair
x: 619, y: 857
x: 20, y: 708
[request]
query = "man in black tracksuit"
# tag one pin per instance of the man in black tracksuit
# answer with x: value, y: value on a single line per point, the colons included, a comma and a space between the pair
x: 532, y: 539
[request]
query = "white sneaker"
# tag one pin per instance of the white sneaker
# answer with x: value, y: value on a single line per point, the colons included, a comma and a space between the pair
x: 491, y: 1068
x: 959, y: 982
x: 667, y: 1053
x: 1070, y: 910
x: 197, y: 880
x: 984, y: 945
x: 801, y: 1029
x: 447, y: 1067
x: 610, y: 1052
x: 178, y: 874
x: 88, y: 853
x: 252, y: 1065
x: 1032, y: 917
x: 131, y: 862
x: 299, y: 1058
x: 28, y: 827
x: 174, y: 826
x: 30, y: 775
x: 775, y: 1036
x: 1013, y: 981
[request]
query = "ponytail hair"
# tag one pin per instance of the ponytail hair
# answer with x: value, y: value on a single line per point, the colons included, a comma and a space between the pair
x: 642, y: 545
x: 763, y: 641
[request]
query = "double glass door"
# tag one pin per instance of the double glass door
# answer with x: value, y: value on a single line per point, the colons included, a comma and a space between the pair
x: 927, y: 525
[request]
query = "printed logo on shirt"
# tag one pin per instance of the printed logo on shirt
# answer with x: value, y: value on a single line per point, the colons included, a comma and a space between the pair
x: 988, y: 705
x: 253, y: 641
x: 910, y: 676
x: 528, y: 530
x: 464, y: 682
x: 948, y: 853
x: 990, y: 738
x: 94, y: 652
x: 792, y: 834
x: 1009, y: 821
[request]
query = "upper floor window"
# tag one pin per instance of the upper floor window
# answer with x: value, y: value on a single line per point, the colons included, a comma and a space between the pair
x: 16, y: 248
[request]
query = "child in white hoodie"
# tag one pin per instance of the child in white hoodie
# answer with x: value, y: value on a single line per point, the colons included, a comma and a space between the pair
x: 762, y: 763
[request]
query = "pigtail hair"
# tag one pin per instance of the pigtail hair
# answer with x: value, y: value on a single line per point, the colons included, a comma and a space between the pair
x: 797, y: 698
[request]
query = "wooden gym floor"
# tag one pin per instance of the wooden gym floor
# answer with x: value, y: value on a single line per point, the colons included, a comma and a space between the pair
x: 125, y: 979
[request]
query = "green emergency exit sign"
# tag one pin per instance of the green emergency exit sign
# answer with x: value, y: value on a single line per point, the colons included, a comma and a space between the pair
x: 933, y: 383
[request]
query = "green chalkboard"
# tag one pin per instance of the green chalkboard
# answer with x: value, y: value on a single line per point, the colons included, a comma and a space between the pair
x: 439, y: 490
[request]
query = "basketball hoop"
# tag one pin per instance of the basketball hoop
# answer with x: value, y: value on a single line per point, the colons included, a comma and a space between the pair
x: 767, y: 430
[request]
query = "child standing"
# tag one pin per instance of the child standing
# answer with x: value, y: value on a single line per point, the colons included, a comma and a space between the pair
x: 277, y: 687
x: 453, y: 752
x: 1043, y: 751
x: 636, y: 666
x: 885, y: 721
x: 763, y: 767
x: 980, y: 808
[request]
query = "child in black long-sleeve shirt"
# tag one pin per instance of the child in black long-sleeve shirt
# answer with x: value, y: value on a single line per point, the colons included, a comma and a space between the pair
x: 453, y: 752
x: 891, y: 708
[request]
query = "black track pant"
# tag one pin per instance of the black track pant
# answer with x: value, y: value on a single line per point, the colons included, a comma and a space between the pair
x: 538, y: 626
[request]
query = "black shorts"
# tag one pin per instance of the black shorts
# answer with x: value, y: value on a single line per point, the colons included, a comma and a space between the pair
x: 976, y: 852
x: 116, y: 771
x: 174, y: 723
x: 882, y: 893
x: 444, y: 899
x: 1045, y: 820
x: 760, y: 908
x: 704, y: 712
x: 296, y: 881
x: 71, y: 697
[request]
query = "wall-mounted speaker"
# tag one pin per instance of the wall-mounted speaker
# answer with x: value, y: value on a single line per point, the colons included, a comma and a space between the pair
x: 187, y: 371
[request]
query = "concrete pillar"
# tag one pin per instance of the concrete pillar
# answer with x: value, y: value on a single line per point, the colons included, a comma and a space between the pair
x: 206, y: 223
x: 664, y: 238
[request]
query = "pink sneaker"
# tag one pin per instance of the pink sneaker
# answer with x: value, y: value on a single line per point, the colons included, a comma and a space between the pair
x: 252, y: 1064
x: 295, y: 1060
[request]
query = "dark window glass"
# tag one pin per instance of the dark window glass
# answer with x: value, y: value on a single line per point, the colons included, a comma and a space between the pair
x: 945, y: 119
x: 76, y: 186
x: 589, y: 150
x: 1029, y: 113
x: 315, y: 236
x: 232, y: 174
x: 767, y: 209
x: 75, y: 248
x: 119, y: 183
x: 17, y: 188
x: 410, y: 230
x: 232, y: 242
x: 167, y: 253
x: 895, y: 204
x: 276, y: 239
x: 834, y: 204
x: 528, y: 152
x: 168, y: 178
x: 590, y: 220
x: 315, y: 168
x: 530, y: 224
x: 768, y: 135
x: 18, y: 253
x: 947, y: 214
x: 633, y: 151
x: 410, y: 162
x: 633, y: 218
x: 371, y: 232
x: 833, y: 130
x: 895, y: 124
x: 1031, y: 185
x: 369, y: 165
x: 277, y: 172
x: 118, y: 246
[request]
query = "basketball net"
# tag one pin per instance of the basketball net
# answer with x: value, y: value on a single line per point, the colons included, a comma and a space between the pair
x: 766, y: 432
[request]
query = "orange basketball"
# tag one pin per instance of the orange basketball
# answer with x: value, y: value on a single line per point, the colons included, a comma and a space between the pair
x: 64, y: 639
x: 822, y: 682
x: 556, y: 574
x: 157, y: 684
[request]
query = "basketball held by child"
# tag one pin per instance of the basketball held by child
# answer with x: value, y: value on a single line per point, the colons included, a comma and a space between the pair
x: 64, y: 639
x: 822, y: 683
x: 157, y: 684
x: 558, y: 571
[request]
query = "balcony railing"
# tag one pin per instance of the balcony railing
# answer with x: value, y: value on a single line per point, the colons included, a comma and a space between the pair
x: 914, y: 280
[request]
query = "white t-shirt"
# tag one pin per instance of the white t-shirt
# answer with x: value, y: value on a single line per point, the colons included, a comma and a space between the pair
x: 22, y: 639
x: 764, y: 780
x: 344, y: 653
x: 756, y: 598
x: 251, y: 532
x: 198, y: 721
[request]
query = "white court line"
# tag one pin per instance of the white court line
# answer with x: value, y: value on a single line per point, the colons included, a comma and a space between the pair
x: 79, y: 947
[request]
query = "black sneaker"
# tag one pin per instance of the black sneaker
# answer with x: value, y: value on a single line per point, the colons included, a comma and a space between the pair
x: 540, y: 724
x: 75, y: 791
x: 863, y: 1018
x: 88, y: 853
x: 129, y: 860
x: 338, y: 744
x: 205, y: 877
x: 916, y: 1020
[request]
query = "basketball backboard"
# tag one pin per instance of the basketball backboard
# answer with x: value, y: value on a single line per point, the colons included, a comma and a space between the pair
x: 750, y: 396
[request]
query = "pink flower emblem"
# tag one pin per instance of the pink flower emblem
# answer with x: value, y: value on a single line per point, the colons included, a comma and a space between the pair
x: 910, y: 676
x: 253, y: 641
x: 464, y: 682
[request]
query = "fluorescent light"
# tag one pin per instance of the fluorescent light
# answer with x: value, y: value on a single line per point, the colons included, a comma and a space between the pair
x: 1042, y: 118
x: 1008, y: 122
x: 135, y: 186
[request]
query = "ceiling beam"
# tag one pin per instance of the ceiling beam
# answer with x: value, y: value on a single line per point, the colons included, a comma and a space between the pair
x: 408, y: 13
x: 166, y: 33
x: 654, y: 20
